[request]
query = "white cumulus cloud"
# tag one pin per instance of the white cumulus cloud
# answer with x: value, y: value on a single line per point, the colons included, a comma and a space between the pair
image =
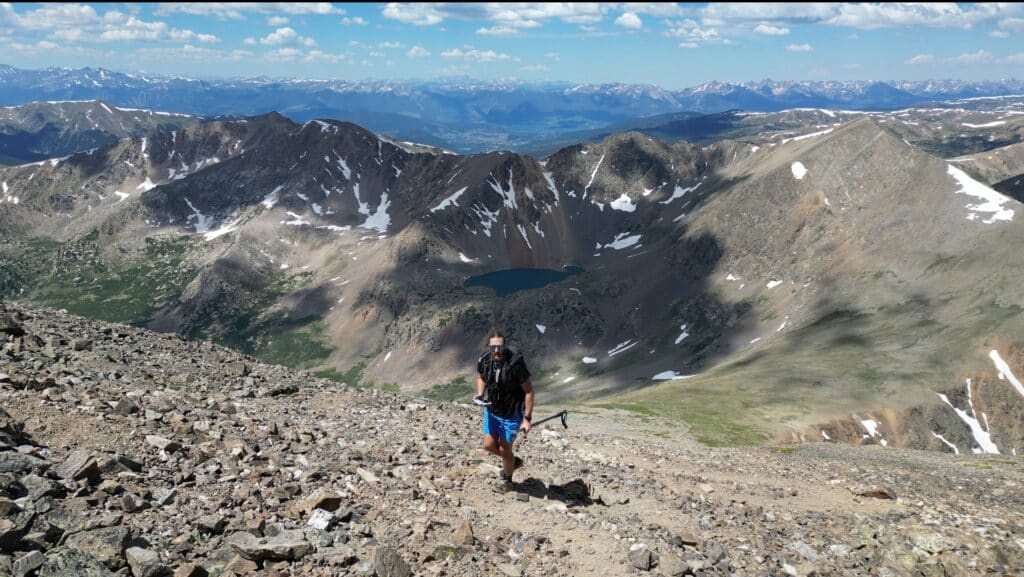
x: 476, y: 55
x: 417, y: 52
x: 283, y: 54
x: 497, y: 31
x: 286, y: 35
x: 629, y: 20
x: 861, y: 15
x: 799, y: 48
x: 691, y: 34
x: 769, y: 30
x: 978, y: 57
x: 238, y: 10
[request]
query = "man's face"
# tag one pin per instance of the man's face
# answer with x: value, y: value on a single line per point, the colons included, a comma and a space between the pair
x: 497, y: 348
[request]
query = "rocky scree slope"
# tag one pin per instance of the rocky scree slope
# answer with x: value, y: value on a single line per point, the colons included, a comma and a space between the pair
x: 126, y: 452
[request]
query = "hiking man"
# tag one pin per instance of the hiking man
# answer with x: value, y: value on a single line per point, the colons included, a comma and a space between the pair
x: 504, y: 388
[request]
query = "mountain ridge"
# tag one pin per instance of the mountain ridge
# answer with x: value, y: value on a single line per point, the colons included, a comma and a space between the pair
x: 323, y: 231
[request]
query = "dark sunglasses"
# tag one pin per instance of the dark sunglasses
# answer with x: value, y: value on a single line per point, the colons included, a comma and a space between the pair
x: 496, y: 347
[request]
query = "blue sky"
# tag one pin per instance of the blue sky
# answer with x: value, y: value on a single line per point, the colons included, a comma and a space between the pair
x: 670, y: 45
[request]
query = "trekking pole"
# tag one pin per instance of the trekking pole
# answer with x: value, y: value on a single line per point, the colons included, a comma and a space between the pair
x: 564, y: 415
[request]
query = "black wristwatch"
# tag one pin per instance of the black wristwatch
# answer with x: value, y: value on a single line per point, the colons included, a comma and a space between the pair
x: 528, y: 418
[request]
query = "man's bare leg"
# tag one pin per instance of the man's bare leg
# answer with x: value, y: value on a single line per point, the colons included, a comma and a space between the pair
x: 508, y: 458
x: 491, y: 445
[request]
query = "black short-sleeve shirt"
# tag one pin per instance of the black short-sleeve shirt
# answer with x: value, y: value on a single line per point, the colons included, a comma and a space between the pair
x: 504, y: 383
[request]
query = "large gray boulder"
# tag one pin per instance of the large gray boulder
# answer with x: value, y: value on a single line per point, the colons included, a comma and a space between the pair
x: 145, y: 563
x: 281, y: 548
x: 17, y: 463
x: 66, y: 562
x: 107, y: 545
x: 388, y: 563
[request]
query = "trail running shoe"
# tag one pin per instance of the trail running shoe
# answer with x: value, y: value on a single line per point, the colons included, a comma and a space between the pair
x: 503, y: 484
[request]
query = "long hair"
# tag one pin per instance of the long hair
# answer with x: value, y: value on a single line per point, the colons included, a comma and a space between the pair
x: 496, y: 333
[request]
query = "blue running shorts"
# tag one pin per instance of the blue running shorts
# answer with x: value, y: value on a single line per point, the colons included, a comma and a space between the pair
x: 504, y: 429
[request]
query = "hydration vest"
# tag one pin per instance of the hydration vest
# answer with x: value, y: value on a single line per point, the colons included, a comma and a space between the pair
x: 503, y: 383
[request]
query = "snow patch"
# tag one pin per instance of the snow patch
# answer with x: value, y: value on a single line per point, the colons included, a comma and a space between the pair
x: 295, y: 221
x: 623, y: 203
x: 465, y: 258
x: 271, y: 199
x: 871, y: 427
x: 380, y: 219
x: 1005, y: 372
x: 203, y: 222
x: 682, y: 335
x: 981, y: 436
x: 508, y: 196
x: 806, y: 136
x: 551, y: 185
x: 622, y: 240
x: 450, y: 201
x: 994, y: 201
x: 669, y: 376
x: 774, y: 283
x: 589, y: 360
x: 121, y: 195
x: 679, y: 192
x: 541, y: 328
x: 224, y: 229
x: 147, y: 185
x: 947, y: 443
x: 522, y: 231
x: 798, y: 170
x: 592, y: 175
x: 622, y: 347
x: 344, y: 167
x: 986, y: 125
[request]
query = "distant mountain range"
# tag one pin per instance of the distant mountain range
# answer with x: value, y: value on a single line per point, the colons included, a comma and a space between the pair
x: 468, y: 116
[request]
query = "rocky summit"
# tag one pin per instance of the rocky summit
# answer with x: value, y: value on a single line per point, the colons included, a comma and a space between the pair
x: 129, y: 452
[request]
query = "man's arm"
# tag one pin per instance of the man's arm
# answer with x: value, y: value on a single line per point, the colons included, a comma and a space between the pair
x: 528, y: 410
x: 479, y: 385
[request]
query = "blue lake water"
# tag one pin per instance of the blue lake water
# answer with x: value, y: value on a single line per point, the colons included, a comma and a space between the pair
x: 506, y: 282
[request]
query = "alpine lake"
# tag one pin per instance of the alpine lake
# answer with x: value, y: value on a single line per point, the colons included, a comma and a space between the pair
x: 508, y: 281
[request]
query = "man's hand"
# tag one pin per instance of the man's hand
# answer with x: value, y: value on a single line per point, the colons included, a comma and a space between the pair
x: 525, y: 427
